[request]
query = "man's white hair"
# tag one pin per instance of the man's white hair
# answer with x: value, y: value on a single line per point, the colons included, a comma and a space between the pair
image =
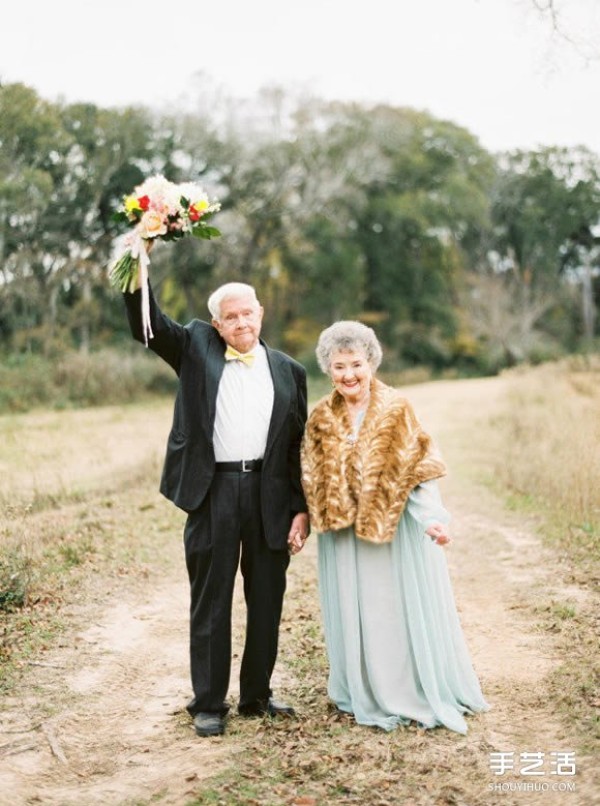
x: 229, y: 291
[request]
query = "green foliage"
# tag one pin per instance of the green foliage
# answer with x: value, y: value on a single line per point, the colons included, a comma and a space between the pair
x: 206, y: 233
x: 542, y: 199
x: 458, y: 258
x: 77, y: 379
x: 15, y: 573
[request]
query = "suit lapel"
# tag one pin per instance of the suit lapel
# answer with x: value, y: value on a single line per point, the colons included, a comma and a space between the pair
x: 215, y: 362
x: 282, y: 388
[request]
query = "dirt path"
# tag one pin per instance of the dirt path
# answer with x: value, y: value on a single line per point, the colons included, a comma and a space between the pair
x: 100, y: 719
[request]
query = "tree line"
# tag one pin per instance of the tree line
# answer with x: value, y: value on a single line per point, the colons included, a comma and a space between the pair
x: 460, y: 258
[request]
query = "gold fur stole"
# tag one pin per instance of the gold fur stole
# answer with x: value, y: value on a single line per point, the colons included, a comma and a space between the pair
x: 365, y: 483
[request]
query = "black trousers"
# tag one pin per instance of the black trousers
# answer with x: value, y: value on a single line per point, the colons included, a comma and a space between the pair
x: 228, y: 525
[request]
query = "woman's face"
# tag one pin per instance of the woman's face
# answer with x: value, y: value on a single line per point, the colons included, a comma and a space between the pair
x: 351, y: 374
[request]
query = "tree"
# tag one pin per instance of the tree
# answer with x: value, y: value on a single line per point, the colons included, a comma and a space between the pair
x: 581, y: 261
x: 421, y: 230
x: 108, y: 156
x: 33, y: 144
x: 333, y: 210
x: 542, y: 200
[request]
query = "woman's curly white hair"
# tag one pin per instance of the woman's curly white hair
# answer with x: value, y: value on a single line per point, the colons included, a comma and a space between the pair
x: 348, y: 336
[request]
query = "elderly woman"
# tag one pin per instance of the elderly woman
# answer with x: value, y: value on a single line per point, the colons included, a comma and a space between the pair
x: 394, y: 642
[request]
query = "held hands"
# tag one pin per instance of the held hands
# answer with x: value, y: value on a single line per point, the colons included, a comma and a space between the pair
x: 439, y: 534
x: 298, y: 533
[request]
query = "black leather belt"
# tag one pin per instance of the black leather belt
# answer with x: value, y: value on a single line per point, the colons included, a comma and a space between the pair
x: 245, y: 466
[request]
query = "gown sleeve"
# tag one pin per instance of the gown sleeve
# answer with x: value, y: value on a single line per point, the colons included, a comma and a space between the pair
x: 425, y: 504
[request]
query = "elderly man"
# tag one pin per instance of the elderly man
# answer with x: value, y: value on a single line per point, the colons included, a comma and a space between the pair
x: 233, y: 464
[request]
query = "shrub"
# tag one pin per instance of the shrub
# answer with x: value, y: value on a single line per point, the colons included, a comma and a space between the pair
x: 77, y: 379
x: 15, y: 576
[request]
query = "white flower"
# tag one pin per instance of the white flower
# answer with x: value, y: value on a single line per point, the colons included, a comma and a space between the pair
x: 192, y: 192
x: 164, y: 196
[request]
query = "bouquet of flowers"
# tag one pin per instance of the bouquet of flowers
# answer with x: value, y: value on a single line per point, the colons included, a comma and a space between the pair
x: 157, y: 209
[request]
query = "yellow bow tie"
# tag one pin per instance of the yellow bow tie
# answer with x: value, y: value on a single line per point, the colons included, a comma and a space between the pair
x: 231, y: 354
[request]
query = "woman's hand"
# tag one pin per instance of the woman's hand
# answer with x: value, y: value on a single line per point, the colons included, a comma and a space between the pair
x: 438, y: 533
x: 298, y: 533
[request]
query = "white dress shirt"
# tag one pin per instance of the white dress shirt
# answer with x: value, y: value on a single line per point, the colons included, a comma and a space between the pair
x: 244, y: 406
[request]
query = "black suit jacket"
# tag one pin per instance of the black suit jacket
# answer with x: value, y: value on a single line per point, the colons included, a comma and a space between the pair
x: 196, y: 352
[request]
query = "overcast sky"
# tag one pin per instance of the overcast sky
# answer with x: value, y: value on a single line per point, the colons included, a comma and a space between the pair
x: 492, y: 66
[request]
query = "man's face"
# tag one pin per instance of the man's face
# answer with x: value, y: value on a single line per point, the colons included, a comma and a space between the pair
x: 240, y: 322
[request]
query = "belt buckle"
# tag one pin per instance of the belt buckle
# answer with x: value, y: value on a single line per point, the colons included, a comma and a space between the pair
x: 244, y: 468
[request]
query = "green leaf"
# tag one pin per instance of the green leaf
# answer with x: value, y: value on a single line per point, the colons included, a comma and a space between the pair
x: 175, y: 235
x: 206, y: 232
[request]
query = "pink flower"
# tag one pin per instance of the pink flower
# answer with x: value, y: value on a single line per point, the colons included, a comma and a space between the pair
x: 152, y: 224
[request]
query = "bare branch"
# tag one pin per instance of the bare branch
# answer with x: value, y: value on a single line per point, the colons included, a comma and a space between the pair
x: 556, y: 13
x: 548, y: 8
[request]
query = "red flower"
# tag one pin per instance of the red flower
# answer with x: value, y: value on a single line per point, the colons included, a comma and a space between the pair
x: 144, y: 202
x: 193, y: 214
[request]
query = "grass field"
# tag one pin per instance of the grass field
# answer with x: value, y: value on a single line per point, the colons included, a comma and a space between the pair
x: 93, y: 604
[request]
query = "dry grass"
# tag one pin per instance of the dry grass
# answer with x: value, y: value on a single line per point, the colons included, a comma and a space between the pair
x: 66, y: 454
x: 549, y: 451
x: 62, y: 478
x: 547, y: 440
x: 87, y: 523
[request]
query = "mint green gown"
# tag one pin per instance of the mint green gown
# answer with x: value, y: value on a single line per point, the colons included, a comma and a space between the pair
x: 395, y: 645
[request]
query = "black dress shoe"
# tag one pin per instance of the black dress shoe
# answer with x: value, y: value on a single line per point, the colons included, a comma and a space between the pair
x: 275, y: 708
x: 270, y: 708
x: 209, y: 724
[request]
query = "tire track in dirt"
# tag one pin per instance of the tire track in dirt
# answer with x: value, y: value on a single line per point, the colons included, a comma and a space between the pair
x: 116, y: 729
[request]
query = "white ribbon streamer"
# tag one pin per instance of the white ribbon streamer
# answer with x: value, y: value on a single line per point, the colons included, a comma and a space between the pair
x: 138, y: 251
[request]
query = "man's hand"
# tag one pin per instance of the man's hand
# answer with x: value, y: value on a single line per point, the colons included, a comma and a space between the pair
x: 298, y: 532
x: 439, y: 534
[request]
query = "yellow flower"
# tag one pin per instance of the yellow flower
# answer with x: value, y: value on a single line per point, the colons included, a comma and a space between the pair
x: 131, y: 204
x: 201, y: 206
